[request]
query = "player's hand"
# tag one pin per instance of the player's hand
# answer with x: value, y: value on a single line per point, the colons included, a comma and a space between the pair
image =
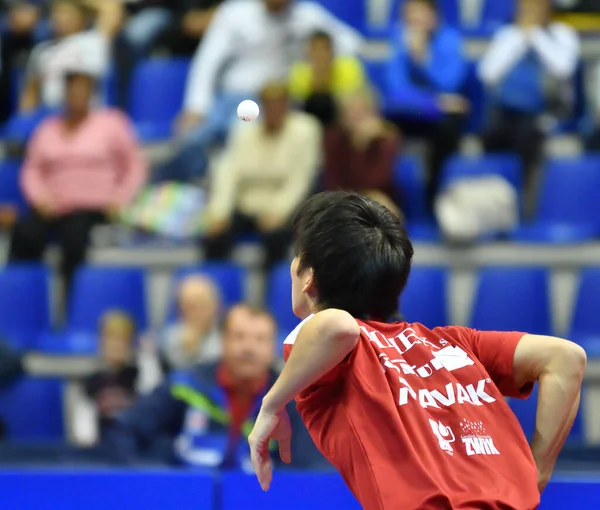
x: 269, y: 425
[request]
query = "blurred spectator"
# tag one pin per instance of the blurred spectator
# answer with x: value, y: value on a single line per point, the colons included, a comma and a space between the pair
x: 191, y: 21
x: 16, y: 42
x: 72, y: 45
x: 317, y: 81
x: 593, y: 138
x: 195, y: 337
x: 81, y: 168
x: 268, y: 168
x: 426, y: 74
x: 361, y: 151
x: 235, y: 60
x: 528, y: 69
x: 208, y: 411
x: 113, y: 387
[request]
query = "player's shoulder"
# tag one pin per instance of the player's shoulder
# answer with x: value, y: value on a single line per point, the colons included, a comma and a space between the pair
x: 332, y: 321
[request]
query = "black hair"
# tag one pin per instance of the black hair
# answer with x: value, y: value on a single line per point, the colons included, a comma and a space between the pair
x: 432, y: 4
x: 358, y: 250
x: 321, y: 34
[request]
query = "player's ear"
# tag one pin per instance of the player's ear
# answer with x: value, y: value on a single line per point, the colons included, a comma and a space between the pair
x: 309, y: 288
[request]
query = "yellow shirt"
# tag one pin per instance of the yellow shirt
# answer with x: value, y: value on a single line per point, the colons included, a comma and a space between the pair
x: 347, y: 76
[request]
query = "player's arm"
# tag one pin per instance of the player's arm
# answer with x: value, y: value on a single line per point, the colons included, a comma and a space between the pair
x: 558, y: 366
x: 323, y: 343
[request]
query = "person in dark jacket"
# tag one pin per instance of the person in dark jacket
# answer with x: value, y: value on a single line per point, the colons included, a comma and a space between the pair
x: 208, y: 412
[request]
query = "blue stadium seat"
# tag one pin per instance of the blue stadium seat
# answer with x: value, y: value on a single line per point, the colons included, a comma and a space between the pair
x: 21, y: 126
x: 10, y: 190
x: 585, y: 323
x: 409, y: 184
x: 513, y: 299
x: 32, y: 409
x: 24, y: 303
x: 376, y: 73
x: 353, y: 13
x: 279, y: 299
x: 525, y: 411
x: 229, y: 278
x: 568, y: 209
x: 96, y: 290
x: 156, y: 96
x: 425, y: 297
x: 504, y: 165
x: 474, y: 90
x: 493, y: 15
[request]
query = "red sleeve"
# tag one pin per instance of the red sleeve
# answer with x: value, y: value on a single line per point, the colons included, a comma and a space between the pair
x: 496, y: 352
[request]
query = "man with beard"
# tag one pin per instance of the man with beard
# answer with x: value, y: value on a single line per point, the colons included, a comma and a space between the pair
x: 207, y: 413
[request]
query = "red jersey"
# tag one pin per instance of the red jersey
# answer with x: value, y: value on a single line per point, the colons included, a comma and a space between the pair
x: 416, y: 419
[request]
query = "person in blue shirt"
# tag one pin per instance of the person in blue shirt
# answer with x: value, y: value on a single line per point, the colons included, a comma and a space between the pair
x: 204, y: 415
x: 425, y: 78
x: 528, y: 71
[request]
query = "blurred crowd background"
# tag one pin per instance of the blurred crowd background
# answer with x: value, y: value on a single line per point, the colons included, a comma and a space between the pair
x: 147, y: 230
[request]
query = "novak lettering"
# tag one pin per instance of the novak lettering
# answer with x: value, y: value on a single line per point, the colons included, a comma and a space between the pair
x: 452, y: 393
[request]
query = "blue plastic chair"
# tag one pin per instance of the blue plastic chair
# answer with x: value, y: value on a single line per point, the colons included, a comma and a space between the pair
x: 32, y: 409
x: 376, y: 73
x: 513, y: 299
x: 525, y: 411
x: 279, y: 299
x: 410, y: 188
x: 568, y: 209
x: 493, y: 15
x: 10, y: 189
x: 585, y: 323
x: 425, y: 298
x: 24, y: 303
x: 352, y: 13
x: 156, y: 96
x: 21, y: 126
x: 474, y: 90
x: 98, y: 289
x: 507, y: 165
x: 228, y: 277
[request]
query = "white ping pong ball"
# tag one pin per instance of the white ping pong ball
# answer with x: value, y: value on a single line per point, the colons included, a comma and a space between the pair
x: 247, y: 110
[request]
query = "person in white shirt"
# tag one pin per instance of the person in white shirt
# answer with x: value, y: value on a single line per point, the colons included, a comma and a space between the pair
x: 72, y: 45
x: 268, y: 168
x: 194, y: 337
x: 528, y: 70
x: 248, y: 44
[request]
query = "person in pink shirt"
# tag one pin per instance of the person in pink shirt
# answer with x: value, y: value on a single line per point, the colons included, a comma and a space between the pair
x: 81, y: 168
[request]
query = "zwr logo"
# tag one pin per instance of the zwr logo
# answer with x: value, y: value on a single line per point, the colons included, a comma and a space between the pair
x: 454, y: 393
x: 444, y: 435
